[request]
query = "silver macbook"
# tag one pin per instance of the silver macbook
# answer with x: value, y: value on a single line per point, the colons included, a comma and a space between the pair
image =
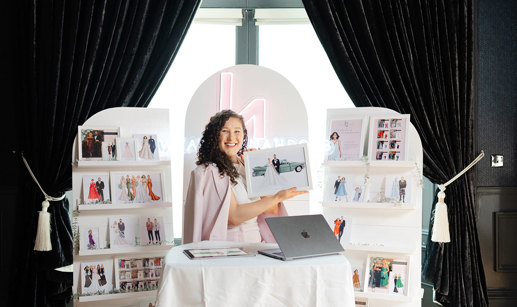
x: 301, y: 236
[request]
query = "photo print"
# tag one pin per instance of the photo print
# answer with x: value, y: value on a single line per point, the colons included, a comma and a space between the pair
x: 344, y: 188
x: 384, y: 273
x: 388, y: 138
x: 152, y: 230
x: 398, y: 189
x: 126, y: 149
x: 271, y: 170
x: 136, y: 187
x: 138, y: 274
x: 147, y: 146
x: 91, y: 140
x: 96, y: 189
x: 97, y: 277
x: 122, y: 231
x: 346, y: 139
x: 109, y: 151
x: 88, y: 238
x: 341, y: 227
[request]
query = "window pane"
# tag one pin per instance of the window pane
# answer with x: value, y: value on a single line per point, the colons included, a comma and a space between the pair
x: 207, y: 48
x: 296, y: 52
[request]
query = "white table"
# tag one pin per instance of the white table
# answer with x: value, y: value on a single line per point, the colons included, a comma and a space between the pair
x: 254, y: 281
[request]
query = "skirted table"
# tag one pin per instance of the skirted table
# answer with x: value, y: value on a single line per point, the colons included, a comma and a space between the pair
x: 253, y: 281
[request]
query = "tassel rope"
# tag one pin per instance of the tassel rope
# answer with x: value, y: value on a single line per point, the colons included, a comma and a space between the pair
x: 42, y: 242
x: 441, y: 232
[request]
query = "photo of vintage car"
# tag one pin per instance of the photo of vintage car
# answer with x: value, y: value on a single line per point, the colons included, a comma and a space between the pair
x: 285, y: 166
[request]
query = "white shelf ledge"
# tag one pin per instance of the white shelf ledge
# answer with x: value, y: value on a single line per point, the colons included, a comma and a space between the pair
x: 383, y: 296
x: 129, y: 250
x: 359, y: 205
x: 406, y: 250
x: 135, y: 163
x: 101, y: 207
x: 373, y: 164
x: 117, y: 296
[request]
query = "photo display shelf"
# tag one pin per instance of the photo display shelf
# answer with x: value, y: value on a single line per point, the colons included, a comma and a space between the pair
x: 121, y: 189
x: 372, y: 200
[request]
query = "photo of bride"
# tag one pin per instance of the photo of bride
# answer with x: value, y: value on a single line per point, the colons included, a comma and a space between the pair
x: 271, y: 170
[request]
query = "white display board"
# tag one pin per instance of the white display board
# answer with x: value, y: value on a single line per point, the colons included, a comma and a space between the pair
x: 132, y: 216
x: 380, y: 203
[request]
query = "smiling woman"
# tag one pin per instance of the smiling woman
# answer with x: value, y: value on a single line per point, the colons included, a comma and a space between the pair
x: 217, y: 205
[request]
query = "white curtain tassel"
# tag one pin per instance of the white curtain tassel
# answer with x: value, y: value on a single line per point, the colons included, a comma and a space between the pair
x: 43, y: 235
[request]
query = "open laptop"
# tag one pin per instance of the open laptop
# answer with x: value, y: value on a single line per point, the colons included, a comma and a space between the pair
x: 301, y: 236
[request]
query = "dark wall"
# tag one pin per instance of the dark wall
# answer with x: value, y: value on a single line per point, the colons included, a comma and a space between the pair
x: 497, y: 134
x: 497, y: 90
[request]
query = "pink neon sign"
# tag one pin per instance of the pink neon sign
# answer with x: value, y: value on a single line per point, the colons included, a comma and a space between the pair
x: 254, y: 112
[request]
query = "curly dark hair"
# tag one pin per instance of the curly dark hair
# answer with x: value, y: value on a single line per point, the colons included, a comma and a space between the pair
x: 209, y: 151
x: 337, y: 135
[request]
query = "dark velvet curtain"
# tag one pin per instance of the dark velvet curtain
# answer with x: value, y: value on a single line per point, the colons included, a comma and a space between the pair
x: 77, y: 58
x: 418, y: 57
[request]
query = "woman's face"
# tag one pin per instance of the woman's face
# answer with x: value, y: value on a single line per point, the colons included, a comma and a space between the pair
x: 231, y: 137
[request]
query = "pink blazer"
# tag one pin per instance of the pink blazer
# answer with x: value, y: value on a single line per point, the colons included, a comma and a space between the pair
x: 205, y: 214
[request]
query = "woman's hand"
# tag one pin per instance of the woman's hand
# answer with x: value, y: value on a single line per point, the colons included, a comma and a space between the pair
x: 245, y: 150
x: 288, y: 194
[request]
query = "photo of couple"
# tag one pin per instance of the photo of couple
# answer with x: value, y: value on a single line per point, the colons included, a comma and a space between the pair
x: 96, y: 189
x: 151, y: 230
x: 91, y: 140
x: 344, y: 188
x: 394, y: 189
x: 122, y: 231
x: 147, y: 146
x: 271, y: 170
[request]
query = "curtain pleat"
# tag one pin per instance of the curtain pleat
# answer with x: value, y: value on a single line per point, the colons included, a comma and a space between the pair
x: 417, y: 57
x: 77, y: 58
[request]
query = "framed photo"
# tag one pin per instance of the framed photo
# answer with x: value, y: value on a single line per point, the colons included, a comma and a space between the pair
x: 346, y: 188
x: 341, y: 226
x: 96, y: 188
x: 122, y: 231
x: 138, y: 274
x: 126, y: 149
x: 395, y: 189
x: 96, y: 277
x: 136, y: 187
x: 387, y: 274
x: 151, y: 230
x: 388, y: 138
x: 271, y: 170
x: 88, y: 238
x: 109, y: 151
x: 345, y: 137
x: 147, y: 146
x: 91, y: 139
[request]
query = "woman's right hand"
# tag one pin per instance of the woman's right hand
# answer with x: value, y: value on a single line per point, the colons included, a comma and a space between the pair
x: 288, y: 193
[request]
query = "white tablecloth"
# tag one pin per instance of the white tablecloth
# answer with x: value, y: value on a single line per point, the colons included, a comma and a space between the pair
x: 254, y: 281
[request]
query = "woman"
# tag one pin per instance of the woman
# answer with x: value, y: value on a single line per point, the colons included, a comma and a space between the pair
x: 217, y: 206
x: 91, y: 241
x: 385, y: 270
x: 150, y: 189
x: 272, y: 177
x: 335, y: 147
x: 123, y: 190
x: 92, y: 193
x: 141, y: 195
x: 355, y: 278
x: 337, y: 223
x: 87, y: 277
x: 127, y: 154
x: 145, y: 152
x: 395, y: 189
